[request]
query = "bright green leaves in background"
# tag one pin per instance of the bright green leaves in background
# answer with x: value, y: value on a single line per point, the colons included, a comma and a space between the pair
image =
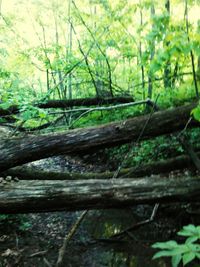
x: 40, y: 55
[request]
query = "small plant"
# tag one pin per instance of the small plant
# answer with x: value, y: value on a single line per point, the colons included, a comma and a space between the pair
x: 19, y: 222
x: 24, y: 226
x: 185, y: 252
x: 196, y: 112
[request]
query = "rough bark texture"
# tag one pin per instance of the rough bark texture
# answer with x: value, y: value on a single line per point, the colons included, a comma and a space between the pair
x: 34, y: 196
x: 84, y: 102
x: 70, y: 103
x: 17, y: 151
x: 159, y: 167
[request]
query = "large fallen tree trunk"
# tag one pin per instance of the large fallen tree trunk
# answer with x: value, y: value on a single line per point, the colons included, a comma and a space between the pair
x: 17, y: 151
x: 34, y: 196
x: 159, y: 167
x: 67, y: 103
x: 85, y: 102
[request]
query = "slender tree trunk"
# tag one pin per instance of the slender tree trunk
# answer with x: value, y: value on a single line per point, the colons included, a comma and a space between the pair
x: 167, y: 69
x: 44, y: 46
x: 100, y: 49
x: 48, y: 82
x: 198, y: 70
x: 1, y: 6
x: 175, y: 74
x: 60, y: 78
x: 69, y: 51
x: 98, y: 68
x: 140, y: 52
x: 191, y: 52
x: 198, y: 60
x: 152, y: 52
x: 85, y: 56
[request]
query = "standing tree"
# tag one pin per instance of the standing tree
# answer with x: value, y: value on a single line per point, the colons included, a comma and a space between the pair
x: 152, y: 53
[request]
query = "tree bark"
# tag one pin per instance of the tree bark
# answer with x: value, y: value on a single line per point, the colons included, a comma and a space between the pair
x: 191, y: 51
x: 152, y: 53
x: 70, y: 103
x: 20, y: 150
x: 35, y: 196
x: 160, y: 167
x: 167, y: 67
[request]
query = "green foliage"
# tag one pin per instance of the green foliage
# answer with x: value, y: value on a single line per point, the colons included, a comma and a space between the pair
x: 106, y: 116
x: 24, y: 225
x: 185, y: 252
x: 29, y: 112
x: 196, y: 113
x: 19, y: 222
x: 48, y: 63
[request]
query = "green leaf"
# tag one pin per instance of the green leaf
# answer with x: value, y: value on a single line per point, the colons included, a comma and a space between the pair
x: 163, y: 253
x: 181, y: 249
x: 190, y: 228
x: 166, y: 245
x: 196, y: 113
x: 191, y: 239
x: 5, y: 105
x: 42, y: 114
x: 176, y: 259
x: 188, y: 257
x: 26, y: 115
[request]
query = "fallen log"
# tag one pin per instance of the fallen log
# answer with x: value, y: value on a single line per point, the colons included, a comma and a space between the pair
x: 19, y: 150
x: 37, y: 196
x: 85, y: 102
x: 159, y: 167
x: 67, y: 103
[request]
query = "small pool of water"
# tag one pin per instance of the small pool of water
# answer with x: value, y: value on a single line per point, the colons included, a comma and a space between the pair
x: 133, y: 250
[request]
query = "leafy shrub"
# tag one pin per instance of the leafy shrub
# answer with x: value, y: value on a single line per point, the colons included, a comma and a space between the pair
x: 185, y: 252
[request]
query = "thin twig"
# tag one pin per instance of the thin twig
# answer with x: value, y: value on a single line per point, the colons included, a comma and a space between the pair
x: 68, y: 238
x: 47, y: 262
x: 38, y: 254
x: 88, y: 110
x: 139, y: 224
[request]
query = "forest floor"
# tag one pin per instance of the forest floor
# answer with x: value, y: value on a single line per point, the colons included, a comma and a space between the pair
x: 33, y: 240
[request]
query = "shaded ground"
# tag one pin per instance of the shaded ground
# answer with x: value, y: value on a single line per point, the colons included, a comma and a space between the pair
x: 91, y: 246
x: 34, y: 240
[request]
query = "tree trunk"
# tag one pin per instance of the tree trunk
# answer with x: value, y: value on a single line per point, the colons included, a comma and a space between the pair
x: 20, y: 150
x: 70, y: 103
x: 34, y: 196
x: 167, y: 67
x: 160, y: 167
x: 152, y: 53
x: 69, y: 50
x: 191, y: 51
x: 140, y: 53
